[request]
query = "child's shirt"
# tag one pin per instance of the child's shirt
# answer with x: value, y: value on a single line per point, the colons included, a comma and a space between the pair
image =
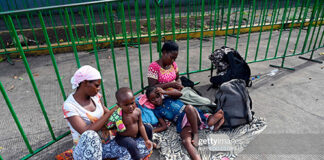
x: 116, y: 119
x: 171, y: 109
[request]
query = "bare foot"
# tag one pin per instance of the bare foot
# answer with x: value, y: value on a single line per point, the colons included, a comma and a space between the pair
x: 155, y: 146
x: 219, y: 124
x: 213, y: 119
x: 195, y: 140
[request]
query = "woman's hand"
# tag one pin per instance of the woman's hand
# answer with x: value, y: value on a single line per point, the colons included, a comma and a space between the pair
x: 177, y: 85
x: 148, y: 144
x: 173, y: 93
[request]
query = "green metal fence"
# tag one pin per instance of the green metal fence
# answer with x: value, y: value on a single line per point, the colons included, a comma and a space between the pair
x: 109, y: 24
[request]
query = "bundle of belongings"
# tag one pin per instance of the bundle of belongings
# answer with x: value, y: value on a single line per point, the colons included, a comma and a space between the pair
x: 230, y: 65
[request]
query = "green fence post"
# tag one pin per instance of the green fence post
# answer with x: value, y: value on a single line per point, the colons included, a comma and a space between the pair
x: 22, y: 54
x: 54, y: 29
x: 158, y: 27
x: 213, y: 44
x: 180, y: 22
x: 103, y: 23
x: 14, y: 116
x: 289, y: 12
x: 302, y: 25
x: 84, y: 24
x: 95, y: 51
x: 22, y: 32
x: 301, y: 11
x: 261, y: 13
x: 222, y: 13
x: 188, y: 36
x: 316, y: 21
x: 94, y: 24
x: 310, y: 43
x: 147, y: 6
x: 278, y: 12
x: 291, y: 27
x: 216, y: 11
x: 73, y: 20
x: 138, y: 28
x: 318, y: 32
x: 251, y: 24
x: 75, y: 51
x: 201, y: 30
x: 111, y: 44
x: 195, y: 10
x: 278, y: 44
x: 310, y: 26
x: 173, y: 19
x: 112, y: 21
x: 32, y: 28
x: 130, y: 22
x: 259, y: 39
x: 63, y: 24
x: 50, y: 50
x: 282, y: 26
x: 218, y: 16
x: 163, y: 10
x: 211, y: 14
x: 266, y: 14
x: 320, y: 42
x: 233, y: 28
x: 240, y: 23
x: 121, y: 6
x: 228, y: 20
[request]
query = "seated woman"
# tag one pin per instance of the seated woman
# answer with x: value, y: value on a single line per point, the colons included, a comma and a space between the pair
x: 86, y: 116
x: 164, y: 72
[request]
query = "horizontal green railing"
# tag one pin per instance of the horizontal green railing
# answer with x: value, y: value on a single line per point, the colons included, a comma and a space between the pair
x: 108, y: 24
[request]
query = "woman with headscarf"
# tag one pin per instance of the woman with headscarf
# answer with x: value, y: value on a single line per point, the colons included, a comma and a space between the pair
x: 86, y: 116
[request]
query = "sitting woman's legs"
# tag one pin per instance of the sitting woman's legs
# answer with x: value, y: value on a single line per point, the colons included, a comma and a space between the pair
x: 187, y: 142
x: 89, y: 147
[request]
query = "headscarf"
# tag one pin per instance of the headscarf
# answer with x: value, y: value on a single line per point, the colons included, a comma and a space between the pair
x: 84, y: 73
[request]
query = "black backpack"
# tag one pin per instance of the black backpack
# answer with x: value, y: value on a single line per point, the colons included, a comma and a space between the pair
x: 233, y: 98
x: 229, y: 65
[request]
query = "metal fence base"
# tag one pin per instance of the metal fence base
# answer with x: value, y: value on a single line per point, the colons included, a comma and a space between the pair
x: 312, y: 60
x: 275, y: 66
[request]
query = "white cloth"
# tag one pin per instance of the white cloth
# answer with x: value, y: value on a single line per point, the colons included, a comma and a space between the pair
x: 84, y: 73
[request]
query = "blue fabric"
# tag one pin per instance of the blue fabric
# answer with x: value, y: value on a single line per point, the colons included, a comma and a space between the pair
x: 147, y: 114
x: 173, y: 110
x: 170, y: 109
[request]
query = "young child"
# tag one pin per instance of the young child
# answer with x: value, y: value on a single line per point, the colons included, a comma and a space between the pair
x: 186, y: 117
x: 128, y: 120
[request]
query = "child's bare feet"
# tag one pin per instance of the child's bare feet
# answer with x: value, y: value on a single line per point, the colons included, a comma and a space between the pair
x: 155, y: 146
x: 213, y: 119
x: 219, y: 124
x: 195, y: 140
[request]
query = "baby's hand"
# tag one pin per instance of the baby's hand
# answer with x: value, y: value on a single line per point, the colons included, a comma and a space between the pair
x: 148, y: 144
